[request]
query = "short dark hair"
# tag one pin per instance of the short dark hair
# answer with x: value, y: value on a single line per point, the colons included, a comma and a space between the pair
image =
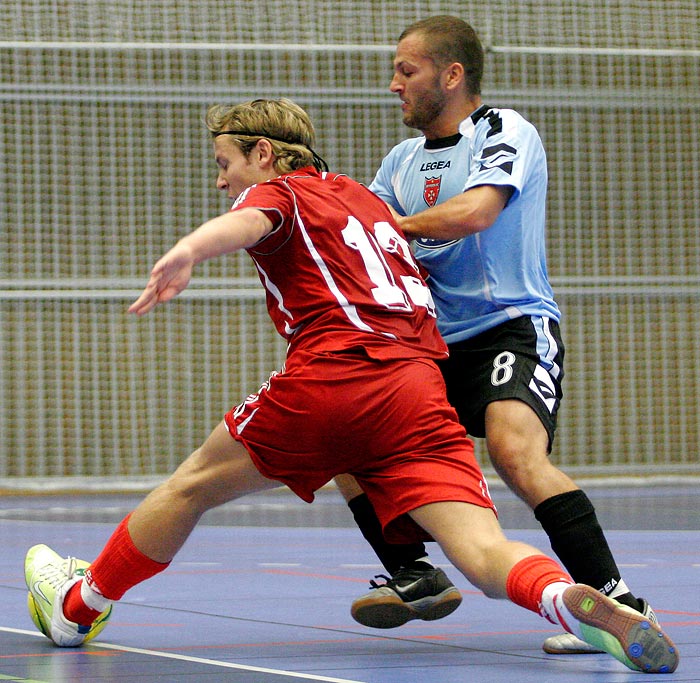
x: 450, y: 39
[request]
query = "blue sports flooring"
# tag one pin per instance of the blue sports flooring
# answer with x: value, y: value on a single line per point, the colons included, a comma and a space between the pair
x: 261, y: 594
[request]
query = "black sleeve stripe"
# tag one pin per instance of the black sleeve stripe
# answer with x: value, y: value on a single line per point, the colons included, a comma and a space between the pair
x: 495, y: 123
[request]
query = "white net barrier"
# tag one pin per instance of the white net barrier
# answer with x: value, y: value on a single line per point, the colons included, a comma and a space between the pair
x: 104, y: 163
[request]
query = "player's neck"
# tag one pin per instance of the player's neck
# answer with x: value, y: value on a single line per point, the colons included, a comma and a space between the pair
x: 447, y: 123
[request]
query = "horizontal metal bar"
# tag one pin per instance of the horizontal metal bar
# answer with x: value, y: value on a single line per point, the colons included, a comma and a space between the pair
x: 204, y: 46
x: 597, y: 290
x: 567, y: 50
x: 120, y: 283
x: 209, y: 46
x: 587, y: 282
x: 124, y: 294
x: 237, y: 293
x: 141, y: 95
x: 637, y: 99
x: 620, y: 476
x: 626, y: 280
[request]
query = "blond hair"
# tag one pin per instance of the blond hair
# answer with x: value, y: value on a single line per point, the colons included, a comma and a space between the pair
x: 283, y: 123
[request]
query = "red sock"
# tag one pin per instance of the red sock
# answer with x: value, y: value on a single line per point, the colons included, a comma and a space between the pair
x: 75, y: 609
x: 529, y: 577
x: 120, y: 566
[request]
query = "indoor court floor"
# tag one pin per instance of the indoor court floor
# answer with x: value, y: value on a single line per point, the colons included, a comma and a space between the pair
x: 261, y: 594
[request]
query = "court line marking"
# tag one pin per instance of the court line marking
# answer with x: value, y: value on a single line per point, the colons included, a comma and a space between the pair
x: 196, y: 660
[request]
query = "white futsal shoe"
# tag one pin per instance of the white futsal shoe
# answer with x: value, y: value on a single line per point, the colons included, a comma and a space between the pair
x: 569, y: 644
x: 49, y: 577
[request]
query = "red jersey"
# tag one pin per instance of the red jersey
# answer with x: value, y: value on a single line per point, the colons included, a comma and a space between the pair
x: 338, y: 272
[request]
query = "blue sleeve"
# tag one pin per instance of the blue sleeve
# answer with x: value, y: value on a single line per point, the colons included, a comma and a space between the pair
x: 504, y: 158
x: 383, y: 183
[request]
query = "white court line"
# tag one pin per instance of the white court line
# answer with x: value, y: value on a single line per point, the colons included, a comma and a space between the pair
x: 197, y: 660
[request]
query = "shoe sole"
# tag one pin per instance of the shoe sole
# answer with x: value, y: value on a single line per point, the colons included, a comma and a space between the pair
x: 642, y: 641
x: 38, y: 618
x: 391, y: 612
x: 35, y: 614
x: 589, y: 650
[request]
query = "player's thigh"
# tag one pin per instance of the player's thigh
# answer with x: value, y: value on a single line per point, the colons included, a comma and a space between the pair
x: 467, y: 533
x: 517, y: 444
x: 220, y: 470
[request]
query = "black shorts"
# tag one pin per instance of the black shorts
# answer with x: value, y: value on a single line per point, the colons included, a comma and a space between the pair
x: 519, y: 359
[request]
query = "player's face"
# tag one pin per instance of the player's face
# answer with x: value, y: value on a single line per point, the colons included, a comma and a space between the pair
x: 417, y: 82
x: 236, y: 171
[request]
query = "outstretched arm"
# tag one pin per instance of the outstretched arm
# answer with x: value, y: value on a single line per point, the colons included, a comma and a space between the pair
x: 224, y: 234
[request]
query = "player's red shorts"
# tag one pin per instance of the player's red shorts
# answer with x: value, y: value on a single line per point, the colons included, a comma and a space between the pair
x: 386, y: 422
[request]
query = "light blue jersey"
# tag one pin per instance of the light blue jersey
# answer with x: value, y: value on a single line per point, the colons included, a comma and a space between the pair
x: 485, y: 279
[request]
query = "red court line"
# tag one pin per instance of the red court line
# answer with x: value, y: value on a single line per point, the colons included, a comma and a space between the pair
x: 58, y: 653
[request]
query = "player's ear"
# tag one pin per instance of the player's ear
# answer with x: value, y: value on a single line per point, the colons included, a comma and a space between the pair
x: 453, y: 76
x: 264, y: 153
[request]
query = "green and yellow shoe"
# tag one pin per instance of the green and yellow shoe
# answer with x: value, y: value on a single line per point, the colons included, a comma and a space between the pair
x: 49, y: 577
x: 629, y: 636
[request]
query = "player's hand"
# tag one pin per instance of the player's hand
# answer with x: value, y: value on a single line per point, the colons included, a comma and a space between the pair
x: 394, y: 213
x: 398, y: 218
x: 170, y: 275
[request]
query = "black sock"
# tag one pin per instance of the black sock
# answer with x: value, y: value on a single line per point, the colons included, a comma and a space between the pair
x: 570, y: 521
x: 391, y: 555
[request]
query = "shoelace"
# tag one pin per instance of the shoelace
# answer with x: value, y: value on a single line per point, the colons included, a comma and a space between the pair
x: 71, y: 566
x: 57, y: 574
x: 374, y: 584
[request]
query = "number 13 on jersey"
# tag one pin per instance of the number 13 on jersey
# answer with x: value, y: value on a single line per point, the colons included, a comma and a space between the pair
x: 401, y: 294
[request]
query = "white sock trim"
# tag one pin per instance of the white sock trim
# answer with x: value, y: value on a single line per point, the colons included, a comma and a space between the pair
x: 620, y: 589
x: 92, y: 598
x: 554, y: 609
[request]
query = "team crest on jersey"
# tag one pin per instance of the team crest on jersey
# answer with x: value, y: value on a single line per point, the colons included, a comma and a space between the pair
x: 431, y: 190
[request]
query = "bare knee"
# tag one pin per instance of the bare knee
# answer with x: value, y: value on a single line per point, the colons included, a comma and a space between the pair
x: 516, y: 459
x: 518, y: 444
x: 516, y: 466
x: 192, y: 484
x: 479, y: 572
x: 219, y: 471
